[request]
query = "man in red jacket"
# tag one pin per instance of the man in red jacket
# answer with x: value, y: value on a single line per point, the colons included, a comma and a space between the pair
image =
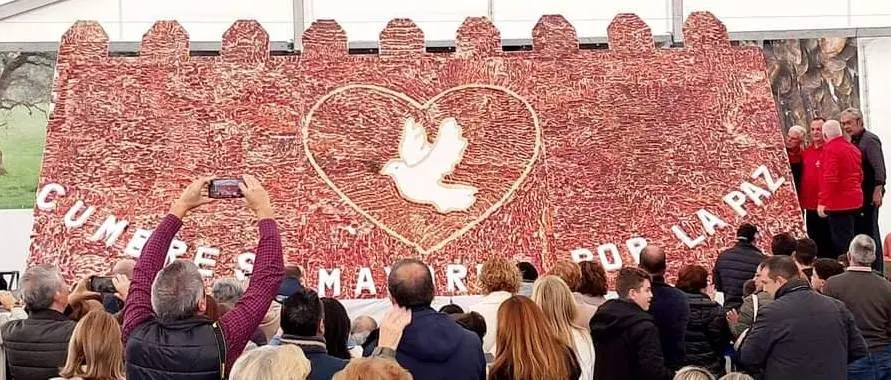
x: 841, y: 195
x: 809, y: 191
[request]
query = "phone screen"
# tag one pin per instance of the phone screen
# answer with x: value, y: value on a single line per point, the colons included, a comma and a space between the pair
x: 102, y: 285
x: 224, y: 188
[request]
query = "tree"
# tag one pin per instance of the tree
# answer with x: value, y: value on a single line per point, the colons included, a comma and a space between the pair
x: 25, y: 82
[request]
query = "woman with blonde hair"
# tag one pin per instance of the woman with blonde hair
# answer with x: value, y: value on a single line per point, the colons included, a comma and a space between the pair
x: 693, y: 373
x: 571, y: 274
x: 559, y: 308
x: 285, y: 362
x: 528, y: 348
x: 95, y: 351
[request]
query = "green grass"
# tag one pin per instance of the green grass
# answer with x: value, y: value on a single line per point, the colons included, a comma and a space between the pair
x: 21, y: 141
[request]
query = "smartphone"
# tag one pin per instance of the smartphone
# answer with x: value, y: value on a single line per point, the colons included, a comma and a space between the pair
x: 225, y: 188
x: 102, y: 284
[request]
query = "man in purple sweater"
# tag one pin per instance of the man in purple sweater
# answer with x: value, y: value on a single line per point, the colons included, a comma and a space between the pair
x: 165, y: 334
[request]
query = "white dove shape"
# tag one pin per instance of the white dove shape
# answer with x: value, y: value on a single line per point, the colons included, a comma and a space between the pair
x: 421, y: 168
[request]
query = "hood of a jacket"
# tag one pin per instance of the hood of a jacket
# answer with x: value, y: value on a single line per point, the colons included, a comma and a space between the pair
x: 792, y: 286
x: 432, y: 336
x: 615, y: 316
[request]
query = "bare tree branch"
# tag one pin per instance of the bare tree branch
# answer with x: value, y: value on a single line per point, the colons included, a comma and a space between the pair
x: 30, y: 90
x: 40, y: 59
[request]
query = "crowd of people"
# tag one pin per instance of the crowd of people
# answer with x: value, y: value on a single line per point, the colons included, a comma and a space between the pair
x: 814, y: 308
x: 794, y: 315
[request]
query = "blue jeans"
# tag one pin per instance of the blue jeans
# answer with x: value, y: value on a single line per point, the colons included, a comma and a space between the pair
x: 876, y: 366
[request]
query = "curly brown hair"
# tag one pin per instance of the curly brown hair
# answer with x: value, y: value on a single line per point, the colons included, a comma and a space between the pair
x: 593, y: 282
x: 498, y: 274
x: 569, y: 272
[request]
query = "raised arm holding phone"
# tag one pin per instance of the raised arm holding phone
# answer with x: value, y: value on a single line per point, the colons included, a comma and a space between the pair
x: 164, y: 333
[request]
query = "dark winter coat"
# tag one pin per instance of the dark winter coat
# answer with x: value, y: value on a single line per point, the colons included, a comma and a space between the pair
x: 371, y: 342
x: 626, y: 343
x: 38, y: 346
x: 322, y: 365
x: 802, y: 335
x: 733, y: 268
x: 671, y: 311
x: 435, y: 347
x: 708, y: 334
x: 185, y: 349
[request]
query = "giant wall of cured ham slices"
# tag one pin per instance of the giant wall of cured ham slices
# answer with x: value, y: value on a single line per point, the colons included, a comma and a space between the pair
x: 575, y: 153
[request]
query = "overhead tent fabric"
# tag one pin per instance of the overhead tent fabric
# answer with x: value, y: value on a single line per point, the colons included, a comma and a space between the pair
x: 575, y: 154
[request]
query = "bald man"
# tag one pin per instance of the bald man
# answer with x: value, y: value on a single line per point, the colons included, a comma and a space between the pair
x: 433, y: 346
x: 841, y: 196
x: 670, y: 308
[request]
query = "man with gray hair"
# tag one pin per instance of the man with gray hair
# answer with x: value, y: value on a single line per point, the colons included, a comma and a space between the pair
x: 873, y: 178
x: 165, y: 334
x: 840, y: 197
x: 227, y: 290
x: 794, y: 148
x: 868, y: 296
x: 37, y: 347
x: 360, y: 333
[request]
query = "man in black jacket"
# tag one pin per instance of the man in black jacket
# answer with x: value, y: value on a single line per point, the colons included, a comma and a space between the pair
x: 38, y: 346
x: 802, y: 334
x: 737, y: 265
x: 302, y: 325
x: 626, y: 341
x: 669, y: 308
x: 873, y: 178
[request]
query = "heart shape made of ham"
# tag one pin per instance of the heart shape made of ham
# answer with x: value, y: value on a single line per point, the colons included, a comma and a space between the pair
x: 352, y: 131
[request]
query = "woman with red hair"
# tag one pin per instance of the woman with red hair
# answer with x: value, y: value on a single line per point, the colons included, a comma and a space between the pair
x: 707, y: 332
x: 527, y: 346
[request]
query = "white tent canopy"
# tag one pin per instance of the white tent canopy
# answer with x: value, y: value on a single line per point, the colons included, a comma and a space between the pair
x: 44, y: 21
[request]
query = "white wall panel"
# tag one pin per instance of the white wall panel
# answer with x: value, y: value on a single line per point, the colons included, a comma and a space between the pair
x: 50, y: 23
x: 207, y: 20
x: 758, y: 15
x: 871, y: 13
x: 15, y: 238
x: 363, y: 20
x: 516, y: 18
